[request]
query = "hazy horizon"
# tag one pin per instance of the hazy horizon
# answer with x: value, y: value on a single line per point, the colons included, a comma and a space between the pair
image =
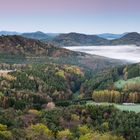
x: 64, y: 32
x: 64, y: 16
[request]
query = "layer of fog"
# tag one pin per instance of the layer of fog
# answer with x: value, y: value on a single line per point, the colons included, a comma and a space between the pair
x: 129, y: 53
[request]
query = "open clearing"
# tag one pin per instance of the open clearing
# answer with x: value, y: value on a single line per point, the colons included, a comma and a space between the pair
x: 133, y: 107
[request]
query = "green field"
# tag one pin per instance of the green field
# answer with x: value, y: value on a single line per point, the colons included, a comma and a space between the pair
x: 121, y: 83
x: 135, y: 107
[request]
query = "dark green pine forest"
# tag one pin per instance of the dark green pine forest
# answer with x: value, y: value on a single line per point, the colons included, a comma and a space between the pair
x: 50, y: 93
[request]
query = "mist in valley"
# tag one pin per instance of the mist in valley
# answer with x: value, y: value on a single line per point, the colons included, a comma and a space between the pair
x: 129, y: 53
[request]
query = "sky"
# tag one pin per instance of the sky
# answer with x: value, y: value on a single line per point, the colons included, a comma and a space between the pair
x: 63, y: 16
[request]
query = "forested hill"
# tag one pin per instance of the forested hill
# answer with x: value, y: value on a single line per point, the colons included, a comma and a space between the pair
x: 36, y: 35
x: 128, y: 39
x: 120, y: 84
x: 19, y: 45
x: 76, y: 39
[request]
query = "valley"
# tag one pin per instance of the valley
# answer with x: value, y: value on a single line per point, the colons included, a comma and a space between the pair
x: 69, y: 69
x: 51, y: 93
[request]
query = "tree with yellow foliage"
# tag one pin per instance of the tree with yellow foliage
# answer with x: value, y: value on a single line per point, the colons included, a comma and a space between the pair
x: 38, y: 131
x: 4, y: 133
x: 64, y: 134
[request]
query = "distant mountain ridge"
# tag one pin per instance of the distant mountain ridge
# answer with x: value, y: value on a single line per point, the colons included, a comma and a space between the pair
x: 77, y: 39
x: 33, y: 35
x: 111, y: 36
x: 9, y: 33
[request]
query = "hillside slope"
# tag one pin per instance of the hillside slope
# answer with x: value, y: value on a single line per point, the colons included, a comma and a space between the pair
x: 16, y: 46
x: 123, y: 79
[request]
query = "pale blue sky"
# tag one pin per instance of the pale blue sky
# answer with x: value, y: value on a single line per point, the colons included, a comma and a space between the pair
x: 84, y: 16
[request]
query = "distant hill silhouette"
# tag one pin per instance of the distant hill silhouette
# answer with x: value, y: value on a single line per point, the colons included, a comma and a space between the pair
x: 76, y: 39
x: 110, y: 36
x: 36, y: 35
x: 128, y: 39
